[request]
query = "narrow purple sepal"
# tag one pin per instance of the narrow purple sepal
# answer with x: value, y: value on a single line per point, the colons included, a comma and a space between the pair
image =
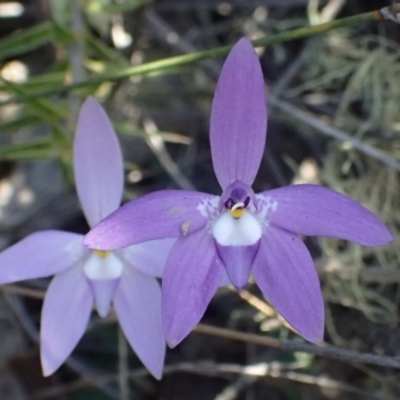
x: 285, y: 273
x: 239, y: 117
x: 149, y: 257
x: 237, y: 261
x: 137, y: 302
x: 65, y: 315
x: 98, y: 164
x: 192, y: 276
x: 40, y: 255
x: 158, y: 215
x: 318, y: 211
x: 103, y: 292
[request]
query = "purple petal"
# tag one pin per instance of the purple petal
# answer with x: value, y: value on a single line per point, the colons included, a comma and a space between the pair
x: 192, y: 276
x: 39, y: 255
x: 149, y: 257
x: 65, y: 315
x: 137, y: 302
x: 315, y: 210
x: 225, y: 281
x: 285, y: 273
x: 239, y: 117
x: 98, y: 164
x: 237, y: 261
x: 158, y: 215
x: 103, y: 291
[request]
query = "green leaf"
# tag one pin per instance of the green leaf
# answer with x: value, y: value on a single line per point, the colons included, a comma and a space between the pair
x: 43, y: 108
x: 186, y: 59
x: 60, y: 135
x: 61, y: 35
x: 25, y: 40
x: 60, y: 10
x: 29, y: 39
x: 38, y: 82
x: 19, y: 123
x: 39, y: 149
x: 102, y: 51
x: 171, y: 137
x: 99, y: 7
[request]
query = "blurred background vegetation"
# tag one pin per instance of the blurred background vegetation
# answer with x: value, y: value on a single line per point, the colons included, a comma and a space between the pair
x: 334, y: 119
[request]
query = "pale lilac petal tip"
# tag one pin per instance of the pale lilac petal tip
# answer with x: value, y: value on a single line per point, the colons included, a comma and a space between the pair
x: 98, y: 163
x: 40, y: 255
x: 285, y: 273
x: 318, y: 211
x: 158, y: 215
x: 137, y: 302
x: 65, y: 315
x: 192, y: 276
x: 149, y: 257
x: 239, y: 117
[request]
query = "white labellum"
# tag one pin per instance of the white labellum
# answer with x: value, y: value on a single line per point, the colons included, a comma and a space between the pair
x: 106, y: 267
x: 243, y: 231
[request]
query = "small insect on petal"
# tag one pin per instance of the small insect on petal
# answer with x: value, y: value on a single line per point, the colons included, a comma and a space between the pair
x: 185, y: 228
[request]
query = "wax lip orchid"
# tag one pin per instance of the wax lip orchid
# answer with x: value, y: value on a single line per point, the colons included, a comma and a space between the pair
x: 82, y: 276
x: 240, y: 232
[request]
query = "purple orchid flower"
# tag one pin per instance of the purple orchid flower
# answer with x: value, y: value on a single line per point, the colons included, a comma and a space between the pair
x: 82, y: 276
x: 240, y: 232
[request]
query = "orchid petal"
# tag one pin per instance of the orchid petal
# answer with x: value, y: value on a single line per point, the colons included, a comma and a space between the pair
x: 192, y: 276
x: 40, y: 255
x: 149, y: 257
x: 225, y: 281
x: 315, y: 210
x: 98, y: 165
x: 103, y: 292
x: 158, y: 215
x: 239, y: 117
x: 137, y: 302
x: 65, y: 315
x: 237, y: 261
x: 285, y: 273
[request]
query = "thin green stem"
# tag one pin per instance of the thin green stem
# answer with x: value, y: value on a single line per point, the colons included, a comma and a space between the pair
x: 186, y: 59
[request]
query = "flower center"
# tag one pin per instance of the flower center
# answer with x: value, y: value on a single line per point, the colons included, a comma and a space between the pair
x: 102, y: 253
x: 230, y: 231
x: 103, y: 265
x: 237, y: 209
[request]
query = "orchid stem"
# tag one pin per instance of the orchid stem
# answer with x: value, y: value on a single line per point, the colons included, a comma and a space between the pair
x: 123, y: 367
x: 186, y: 59
x: 291, y: 345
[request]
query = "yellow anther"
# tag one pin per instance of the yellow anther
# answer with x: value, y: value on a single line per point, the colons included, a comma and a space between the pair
x: 102, y: 253
x: 237, y: 213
